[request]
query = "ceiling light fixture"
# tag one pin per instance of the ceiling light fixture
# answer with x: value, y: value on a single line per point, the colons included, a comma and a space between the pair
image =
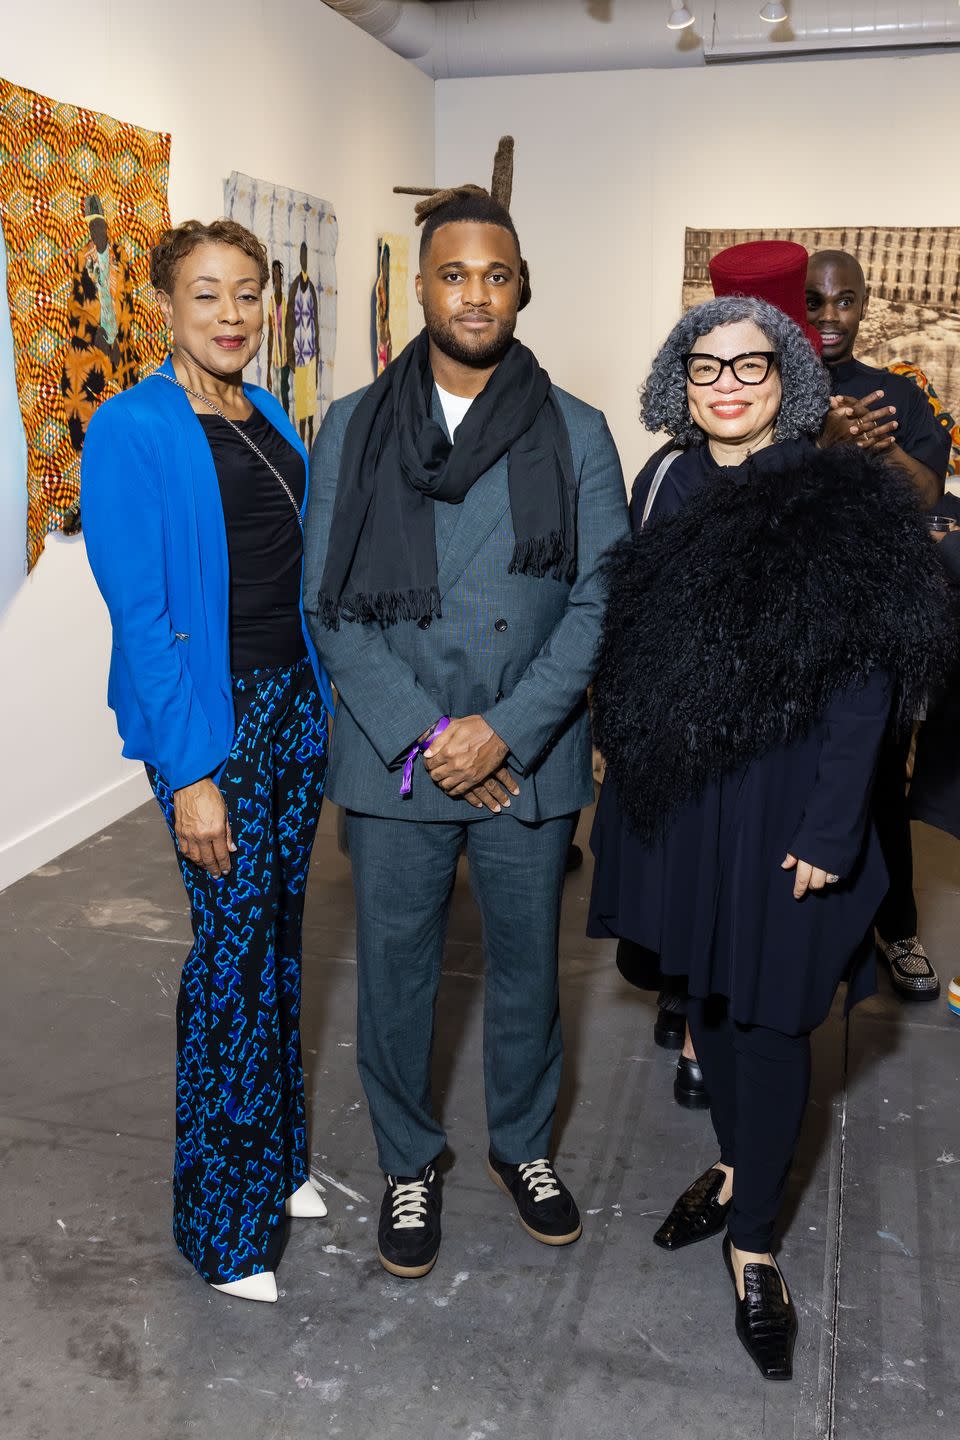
x: 680, y: 18
x: 773, y: 14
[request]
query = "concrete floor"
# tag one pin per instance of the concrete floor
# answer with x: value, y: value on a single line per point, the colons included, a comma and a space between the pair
x: 106, y: 1331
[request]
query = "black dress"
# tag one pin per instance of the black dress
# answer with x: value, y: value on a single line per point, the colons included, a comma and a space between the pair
x: 710, y: 896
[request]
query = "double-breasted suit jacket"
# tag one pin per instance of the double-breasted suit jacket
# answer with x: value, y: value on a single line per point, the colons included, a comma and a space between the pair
x: 518, y: 650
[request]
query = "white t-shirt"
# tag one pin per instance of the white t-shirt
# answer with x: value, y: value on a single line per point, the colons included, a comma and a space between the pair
x: 454, y: 408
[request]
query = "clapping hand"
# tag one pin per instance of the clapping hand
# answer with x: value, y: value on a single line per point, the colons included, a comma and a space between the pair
x: 865, y: 423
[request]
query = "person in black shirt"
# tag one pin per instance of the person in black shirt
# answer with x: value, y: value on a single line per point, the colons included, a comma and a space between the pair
x: 886, y: 415
x: 193, y: 486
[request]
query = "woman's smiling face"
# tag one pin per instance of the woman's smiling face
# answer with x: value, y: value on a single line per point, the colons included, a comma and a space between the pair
x: 216, y: 309
x: 730, y: 410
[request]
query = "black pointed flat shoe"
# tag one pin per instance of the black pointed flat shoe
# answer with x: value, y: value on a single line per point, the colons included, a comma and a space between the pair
x: 766, y: 1323
x: 697, y: 1215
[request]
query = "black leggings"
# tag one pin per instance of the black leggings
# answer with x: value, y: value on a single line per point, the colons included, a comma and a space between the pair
x: 758, y: 1081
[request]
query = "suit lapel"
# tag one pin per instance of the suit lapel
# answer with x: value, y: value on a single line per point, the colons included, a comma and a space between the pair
x: 477, y: 518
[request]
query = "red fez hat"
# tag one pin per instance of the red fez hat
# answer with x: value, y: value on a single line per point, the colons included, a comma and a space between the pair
x: 771, y: 270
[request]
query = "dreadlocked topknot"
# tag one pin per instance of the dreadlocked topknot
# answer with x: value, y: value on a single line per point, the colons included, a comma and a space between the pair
x: 460, y: 203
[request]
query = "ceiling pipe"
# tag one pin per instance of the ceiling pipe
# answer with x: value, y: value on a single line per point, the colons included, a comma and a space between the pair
x: 405, y: 26
x: 525, y: 37
x: 517, y: 37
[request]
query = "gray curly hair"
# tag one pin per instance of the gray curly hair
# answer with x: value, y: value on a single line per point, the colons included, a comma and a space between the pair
x: 806, y: 386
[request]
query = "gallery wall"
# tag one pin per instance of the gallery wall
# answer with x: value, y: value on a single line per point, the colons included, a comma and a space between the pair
x: 286, y: 91
x: 611, y: 167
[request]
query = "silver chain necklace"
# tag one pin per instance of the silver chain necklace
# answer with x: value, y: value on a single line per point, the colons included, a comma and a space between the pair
x: 160, y: 375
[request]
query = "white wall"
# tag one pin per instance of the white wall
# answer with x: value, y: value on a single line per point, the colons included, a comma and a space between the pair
x: 282, y: 89
x: 611, y: 167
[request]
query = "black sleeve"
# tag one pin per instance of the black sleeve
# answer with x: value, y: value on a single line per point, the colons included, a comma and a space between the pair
x: 920, y: 433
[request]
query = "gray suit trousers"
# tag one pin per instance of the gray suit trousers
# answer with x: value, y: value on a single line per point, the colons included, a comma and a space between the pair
x: 404, y: 873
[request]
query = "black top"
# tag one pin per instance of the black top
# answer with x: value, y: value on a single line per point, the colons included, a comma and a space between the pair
x: 920, y: 434
x: 264, y: 541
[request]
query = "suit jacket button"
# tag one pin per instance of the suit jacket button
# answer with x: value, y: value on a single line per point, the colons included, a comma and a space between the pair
x: 424, y: 622
x: 500, y: 626
x: 498, y: 697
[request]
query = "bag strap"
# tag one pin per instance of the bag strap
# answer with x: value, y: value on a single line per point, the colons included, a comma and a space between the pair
x: 657, y: 481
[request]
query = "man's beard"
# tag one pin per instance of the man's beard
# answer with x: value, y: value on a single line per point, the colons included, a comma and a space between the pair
x: 479, y: 357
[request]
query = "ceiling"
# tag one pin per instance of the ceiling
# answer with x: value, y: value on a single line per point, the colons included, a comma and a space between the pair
x: 455, y: 38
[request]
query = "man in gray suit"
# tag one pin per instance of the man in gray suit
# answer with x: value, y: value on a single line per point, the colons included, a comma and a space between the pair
x: 459, y: 509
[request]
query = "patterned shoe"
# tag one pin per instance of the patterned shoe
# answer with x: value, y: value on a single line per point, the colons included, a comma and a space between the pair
x: 914, y: 978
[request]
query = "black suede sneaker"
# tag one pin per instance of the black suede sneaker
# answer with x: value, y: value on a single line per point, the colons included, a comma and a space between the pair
x: 546, y: 1208
x: 408, y: 1238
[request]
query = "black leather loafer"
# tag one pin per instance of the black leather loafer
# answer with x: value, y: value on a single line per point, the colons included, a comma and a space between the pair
x: 669, y: 1026
x: 766, y: 1324
x: 697, y: 1215
x: 689, y: 1088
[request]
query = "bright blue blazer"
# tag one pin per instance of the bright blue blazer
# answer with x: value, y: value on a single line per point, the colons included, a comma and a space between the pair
x: 157, y: 545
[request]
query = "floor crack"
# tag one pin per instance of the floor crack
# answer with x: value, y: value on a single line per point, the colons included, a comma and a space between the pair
x: 838, y: 1239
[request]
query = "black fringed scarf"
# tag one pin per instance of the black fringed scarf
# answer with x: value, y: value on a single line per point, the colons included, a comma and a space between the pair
x: 731, y: 624
x: 382, y: 557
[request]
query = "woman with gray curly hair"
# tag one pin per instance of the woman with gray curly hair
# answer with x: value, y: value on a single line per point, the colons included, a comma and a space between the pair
x: 748, y: 667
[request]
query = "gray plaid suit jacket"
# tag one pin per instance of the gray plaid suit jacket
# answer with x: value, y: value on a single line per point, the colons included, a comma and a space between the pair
x: 517, y: 650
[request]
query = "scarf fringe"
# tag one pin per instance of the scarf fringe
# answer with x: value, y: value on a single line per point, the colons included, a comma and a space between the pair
x: 386, y: 607
x: 543, y: 555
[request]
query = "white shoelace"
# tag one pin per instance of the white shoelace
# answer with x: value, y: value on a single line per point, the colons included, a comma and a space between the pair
x: 410, y: 1203
x: 538, y: 1176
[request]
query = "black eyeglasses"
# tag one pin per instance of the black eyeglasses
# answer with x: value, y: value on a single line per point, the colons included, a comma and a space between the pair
x: 750, y: 369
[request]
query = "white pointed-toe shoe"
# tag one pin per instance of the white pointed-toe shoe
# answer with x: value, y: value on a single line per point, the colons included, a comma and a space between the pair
x: 252, y: 1287
x: 306, y: 1203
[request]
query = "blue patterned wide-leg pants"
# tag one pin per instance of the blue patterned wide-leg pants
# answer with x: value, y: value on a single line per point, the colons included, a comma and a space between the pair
x: 241, y: 1134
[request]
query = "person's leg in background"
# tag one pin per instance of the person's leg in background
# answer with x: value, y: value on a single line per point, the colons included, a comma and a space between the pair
x: 912, y: 974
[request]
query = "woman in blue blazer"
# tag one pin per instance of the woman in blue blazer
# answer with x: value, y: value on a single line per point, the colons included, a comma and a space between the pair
x: 193, y: 486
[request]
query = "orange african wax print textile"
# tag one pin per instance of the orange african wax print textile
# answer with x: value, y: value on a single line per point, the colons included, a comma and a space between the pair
x: 944, y: 418
x: 83, y: 197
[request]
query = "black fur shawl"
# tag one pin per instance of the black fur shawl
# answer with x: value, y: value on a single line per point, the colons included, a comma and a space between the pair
x: 731, y: 624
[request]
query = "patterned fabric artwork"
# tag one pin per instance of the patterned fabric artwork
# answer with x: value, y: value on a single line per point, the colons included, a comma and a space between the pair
x: 912, y: 323
x: 295, y: 361
x: 914, y: 373
x: 82, y: 199
x: 389, y: 323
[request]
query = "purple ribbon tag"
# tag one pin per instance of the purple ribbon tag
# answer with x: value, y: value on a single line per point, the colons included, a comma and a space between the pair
x: 406, y: 784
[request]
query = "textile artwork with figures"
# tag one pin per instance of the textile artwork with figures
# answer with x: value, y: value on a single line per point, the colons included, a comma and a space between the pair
x: 295, y: 361
x: 83, y: 197
x: 912, y: 322
x: 389, y: 322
